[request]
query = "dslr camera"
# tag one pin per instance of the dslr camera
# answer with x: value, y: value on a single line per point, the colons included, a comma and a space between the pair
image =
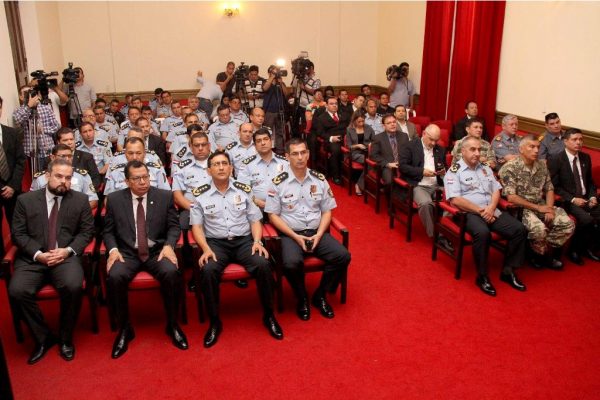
x: 301, y: 65
x: 396, y: 72
x: 43, y: 85
x: 70, y: 75
x: 241, y: 72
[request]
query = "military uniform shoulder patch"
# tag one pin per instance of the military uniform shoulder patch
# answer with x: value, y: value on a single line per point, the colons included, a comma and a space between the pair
x: 498, y: 138
x: 184, y: 163
x: 78, y: 144
x: 181, y: 133
x: 119, y: 153
x: 280, y: 156
x: 242, y: 186
x: 200, y: 189
x: 152, y: 165
x: 81, y: 171
x: 151, y: 152
x: 317, y: 174
x: 92, y: 188
x: 176, y: 124
x: 105, y: 128
x: 541, y: 137
x: 454, y: 168
x: 485, y: 163
x: 102, y: 142
x: 280, y: 178
x: 231, y: 145
x: 38, y: 174
x: 182, y: 151
x: 118, y: 166
x: 248, y: 160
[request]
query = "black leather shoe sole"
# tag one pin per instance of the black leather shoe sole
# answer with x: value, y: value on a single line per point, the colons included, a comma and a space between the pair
x: 67, y: 352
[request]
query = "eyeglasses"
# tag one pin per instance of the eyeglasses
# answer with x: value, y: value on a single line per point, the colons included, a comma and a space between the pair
x: 138, y: 179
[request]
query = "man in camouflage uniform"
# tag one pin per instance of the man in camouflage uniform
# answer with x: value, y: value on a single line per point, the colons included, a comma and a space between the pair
x: 526, y: 180
x: 474, y: 128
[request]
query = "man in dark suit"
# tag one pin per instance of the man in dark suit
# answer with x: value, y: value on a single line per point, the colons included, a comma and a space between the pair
x: 51, y: 229
x: 422, y: 164
x: 12, y: 164
x: 142, y: 240
x: 81, y: 159
x: 331, y: 127
x: 571, y: 172
x: 385, y: 148
x: 153, y: 142
x: 459, y: 130
x: 404, y: 125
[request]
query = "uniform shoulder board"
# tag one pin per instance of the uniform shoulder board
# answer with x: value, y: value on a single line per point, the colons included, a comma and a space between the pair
x: 118, y: 166
x: 77, y: 144
x: 102, y: 142
x: 200, y: 189
x: 176, y: 124
x: 38, y: 174
x: 454, y: 167
x: 151, y: 152
x: 498, y: 138
x: 182, y: 152
x: 152, y: 165
x: 317, y: 175
x: 249, y: 160
x: 181, y: 133
x: 81, y: 171
x: 184, y: 163
x: 280, y: 156
x: 485, y: 164
x: 242, y: 186
x: 231, y: 145
x: 92, y: 188
x: 541, y: 137
x: 105, y: 128
x: 280, y: 178
x: 119, y: 153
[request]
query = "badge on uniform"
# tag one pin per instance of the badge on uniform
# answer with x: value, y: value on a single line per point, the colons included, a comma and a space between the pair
x: 484, y: 172
x: 279, y: 167
x: 237, y: 199
x: 313, y: 189
x: 271, y: 193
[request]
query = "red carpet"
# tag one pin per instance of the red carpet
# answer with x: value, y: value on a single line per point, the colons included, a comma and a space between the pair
x: 409, y: 330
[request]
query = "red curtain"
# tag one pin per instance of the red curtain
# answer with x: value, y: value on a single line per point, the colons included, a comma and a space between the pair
x: 476, y: 58
x: 436, y: 58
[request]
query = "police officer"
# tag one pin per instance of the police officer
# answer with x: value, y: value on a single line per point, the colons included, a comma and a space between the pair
x: 372, y: 118
x: 148, y: 114
x: 134, y: 150
x: 179, y: 138
x: 299, y: 205
x: 133, y: 113
x: 259, y: 169
x: 526, y: 180
x: 173, y: 121
x: 237, y: 114
x: 150, y: 156
x: 224, y: 131
x: 506, y: 144
x: 106, y: 130
x: 88, y: 115
x: 194, y: 104
x: 226, y: 225
x: 551, y: 141
x: 243, y: 148
x: 98, y: 148
x: 474, y: 128
x: 471, y: 187
x: 80, y: 182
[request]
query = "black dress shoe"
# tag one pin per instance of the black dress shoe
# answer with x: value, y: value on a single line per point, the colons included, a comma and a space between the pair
x: 537, y: 261
x: 324, y: 308
x: 273, y: 326
x: 513, y: 281
x: 590, y: 254
x: 40, y: 350
x: 575, y: 258
x: 121, y: 343
x: 303, y: 310
x: 212, y: 334
x: 177, y: 337
x: 446, y: 244
x: 483, y: 282
x: 241, y: 283
x: 553, y: 263
x: 67, y: 351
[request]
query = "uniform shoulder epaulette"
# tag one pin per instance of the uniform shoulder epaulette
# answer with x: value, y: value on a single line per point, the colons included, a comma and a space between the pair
x: 317, y: 174
x: 184, y: 163
x: 181, y: 133
x: 182, y: 152
x: 485, y: 163
x: 102, y: 142
x: 38, y: 174
x: 280, y: 156
x: 176, y: 124
x: 119, y: 153
x: 230, y: 145
x: 280, y: 178
x: 454, y: 167
x: 541, y: 137
x: 151, y: 152
x: 81, y: 171
x: 77, y: 144
x: 118, y: 166
x: 248, y: 160
x: 153, y: 165
x: 200, y: 189
x: 92, y: 188
x: 498, y: 138
x: 105, y: 128
x: 242, y: 186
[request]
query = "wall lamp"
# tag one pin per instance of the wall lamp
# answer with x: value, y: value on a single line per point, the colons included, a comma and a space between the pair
x: 231, y: 10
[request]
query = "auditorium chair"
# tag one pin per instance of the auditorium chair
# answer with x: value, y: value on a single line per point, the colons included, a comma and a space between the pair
x: 48, y: 292
x: 349, y: 167
x: 373, y: 181
x: 234, y: 272
x: 421, y: 120
x: 313, y: 263
x: 142, y: 281
x: 453, y: 227
x: 322, y: 156
x: 445, y: 138
x: 443, y: 124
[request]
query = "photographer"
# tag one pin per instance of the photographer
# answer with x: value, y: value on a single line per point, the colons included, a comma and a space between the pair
x: 308, y: 85
x: 57, y: 98
x: 226, y: 80
x: 401, y: 89
x: 85, y: 94
x: 254, y: 87
x: 274, y: 103
x: 38, y: 142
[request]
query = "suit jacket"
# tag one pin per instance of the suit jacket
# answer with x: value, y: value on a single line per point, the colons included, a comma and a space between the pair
x: 381, y: 148
x: 412, y: 131
x: 30, y: 223
x: 352, y: 139
x: 459, y: 130
x: 12, y: 142
x: 156, y: 144
x: 162, y: 222
x: 84, y: 160
x: 563, y: 179
x: 327, y: 127
x: 412, y: 161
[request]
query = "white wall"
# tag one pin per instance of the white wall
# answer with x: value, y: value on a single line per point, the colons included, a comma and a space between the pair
x: 550, y: 61
x: 8, y: 85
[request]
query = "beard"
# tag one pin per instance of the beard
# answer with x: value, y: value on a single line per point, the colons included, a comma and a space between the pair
x: 59, y: 190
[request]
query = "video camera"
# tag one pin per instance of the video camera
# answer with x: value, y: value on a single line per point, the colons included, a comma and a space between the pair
x: 241, y: 72
x: 396, y: 72
x: 301, y: 65
x: 43, y: 85
x: 70, y: 75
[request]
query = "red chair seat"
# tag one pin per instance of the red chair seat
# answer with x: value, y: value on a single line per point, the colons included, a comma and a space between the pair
x: 312, y: 263
x: 143, y: 280
x: 233, y: 272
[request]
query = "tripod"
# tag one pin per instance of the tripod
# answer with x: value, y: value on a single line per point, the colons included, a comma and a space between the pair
x: 74, y: 106
x: 297, y: 115
x: 280, y: 121
x: 240, y: 84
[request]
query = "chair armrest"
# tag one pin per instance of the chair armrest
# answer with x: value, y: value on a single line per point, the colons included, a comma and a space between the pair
x: 89, y: 249
x: 402, y: 183
x: 342, y: 229
x: 179, y: 243
x: 269, y: 232
x: 345, y: 150
x: 8, y: 262
x: 446, y: 206
x: 102, y: 249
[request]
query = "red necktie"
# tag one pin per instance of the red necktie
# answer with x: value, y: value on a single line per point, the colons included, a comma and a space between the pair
x: 52, y: 220
x: 336, y: 119
x: 142, y: 238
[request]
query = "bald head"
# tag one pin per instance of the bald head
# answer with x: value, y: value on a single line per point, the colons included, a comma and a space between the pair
x: 431, y: 135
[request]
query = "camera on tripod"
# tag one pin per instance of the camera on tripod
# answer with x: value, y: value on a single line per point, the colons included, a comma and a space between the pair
x: 397, y: 71
x: 301, y: 65
x: 42, y: 86
x: 70, y: 75
x: 241, y: 72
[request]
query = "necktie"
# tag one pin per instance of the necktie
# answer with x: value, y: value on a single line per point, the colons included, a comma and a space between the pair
x: 578, y: 188
x: 142, y: 238
x: 335, y: 118
x: 4, y: 171
x: 52, y: 220
x: 394, y: 148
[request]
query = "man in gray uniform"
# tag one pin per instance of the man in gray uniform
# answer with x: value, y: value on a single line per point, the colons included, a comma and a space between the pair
x: 224, y: 131
x: 506, y: 144
x: 471, y: 187
x: 173, y: 121
x: 243, y: 148
x: 98, y: 148
x: 150, y: 156
x: 226, y: 225
x: 107, y: 128
x: 551, y: 141
x: 299, y: 205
